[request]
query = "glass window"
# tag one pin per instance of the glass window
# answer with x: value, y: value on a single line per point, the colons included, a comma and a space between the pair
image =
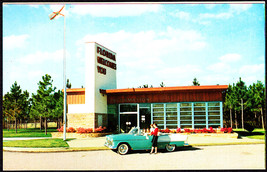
x: 186, y: 113
x: 186, y: 122
x: 200, y: 113
x: 171, y: 122
x: 199, y: 109
x: 158, y: 118
x: 200, y: 117
x: 200, y: 126
x: 171, y: 105
x: 171, y: 114
x: 214, y: 113
x: 159, y: 114
x: 158, y: 109
x: 128, y: 108
x: 158, y: 105
x: 171, y: 109
x: 186, y: 126
x: 171, y: 118
x: 185, y: 118
x: 170, y: 126
x: 199, y: 122
x: 185, y: 105
x: 214, y: 117
x: 199, y: 104
x: 159, y: 122
x: 144, y: 105
x: 186, y: 109
x: 213, y: 104
x: 214, y: 108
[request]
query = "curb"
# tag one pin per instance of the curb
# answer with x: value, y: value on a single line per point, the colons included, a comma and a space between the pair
x: 47, y: 150
x: 73, y: 149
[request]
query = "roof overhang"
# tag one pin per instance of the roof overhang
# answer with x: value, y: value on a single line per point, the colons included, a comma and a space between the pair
x: 166, y: 89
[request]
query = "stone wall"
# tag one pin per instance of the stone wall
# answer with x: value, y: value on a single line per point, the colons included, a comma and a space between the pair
x: 84, y: 120
x: 87, y: 120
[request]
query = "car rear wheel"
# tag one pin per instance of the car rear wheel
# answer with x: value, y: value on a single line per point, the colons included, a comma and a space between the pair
x: 123, y: 149
x: 170, y: 148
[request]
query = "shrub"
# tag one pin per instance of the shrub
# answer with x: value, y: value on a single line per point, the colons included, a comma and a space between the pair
x: 186, y: 130
x: 70, y: 130
x: 100, y: 129
x: 230, y: 130
x: 249, y: 126
x: 88, y: 130
x: 173, y: 131
x: 60, y: 129
x: 81, y: 130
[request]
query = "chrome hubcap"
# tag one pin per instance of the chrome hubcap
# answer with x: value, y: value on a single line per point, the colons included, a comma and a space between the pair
x: 170, y: 147
x: 123, y: 149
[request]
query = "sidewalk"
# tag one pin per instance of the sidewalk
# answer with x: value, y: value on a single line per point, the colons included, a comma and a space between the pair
x: 97, y: 143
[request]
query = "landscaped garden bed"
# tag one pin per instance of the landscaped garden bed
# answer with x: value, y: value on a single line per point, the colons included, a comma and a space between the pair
x: 210, y: 132
x: 81, y: 132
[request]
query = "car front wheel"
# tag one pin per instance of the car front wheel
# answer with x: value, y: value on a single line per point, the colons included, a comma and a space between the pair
x: 123, y: 149
x: 170, y: 148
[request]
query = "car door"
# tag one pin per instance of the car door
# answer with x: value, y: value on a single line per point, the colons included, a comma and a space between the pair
x: 141, y: 142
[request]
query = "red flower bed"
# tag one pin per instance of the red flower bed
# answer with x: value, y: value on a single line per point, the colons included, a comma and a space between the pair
x: 82, y: 130
x: 227, y: 130
x: 70, y: 130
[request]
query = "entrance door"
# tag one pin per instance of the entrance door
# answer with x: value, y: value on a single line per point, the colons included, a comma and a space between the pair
x: 127, y: 122
x: 145, y: 118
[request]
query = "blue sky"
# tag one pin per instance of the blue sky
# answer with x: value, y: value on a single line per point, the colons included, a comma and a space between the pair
x: 170, y: 43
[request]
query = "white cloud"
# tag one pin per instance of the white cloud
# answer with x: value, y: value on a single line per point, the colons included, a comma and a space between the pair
x: 252, y: 69
x: 147, y: 51
x: 233, y: 9
x: 210, y: 6
x: 41, y: 57
x: 13, y: 42
x: 238, y: 8
x: 219, y: 67
x: 230, y: 58
x: 215, y: 16
x: 181, y: 15
x: 34, y: 6
x: 114, y: 10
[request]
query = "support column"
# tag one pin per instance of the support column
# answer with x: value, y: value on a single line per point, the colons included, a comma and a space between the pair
x: 193, y: 123
x: 151, y: 113
x: 178, y: 115
x: 138, y: 116
x: 221, y: 114
x: 164, y: 105
x: 207, y: 115
x: 119, y: 119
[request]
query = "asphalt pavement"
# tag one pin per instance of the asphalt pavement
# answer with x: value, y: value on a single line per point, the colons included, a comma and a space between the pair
x: 97, y: 143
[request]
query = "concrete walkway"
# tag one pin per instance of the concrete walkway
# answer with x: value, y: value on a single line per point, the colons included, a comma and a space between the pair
x: 97, y: 143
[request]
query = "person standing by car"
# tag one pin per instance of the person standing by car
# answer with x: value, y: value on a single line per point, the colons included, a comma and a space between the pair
x: 155, y: 139
x: 151, y: 128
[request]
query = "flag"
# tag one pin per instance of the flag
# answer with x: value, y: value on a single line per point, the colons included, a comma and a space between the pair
x: 54, y: 14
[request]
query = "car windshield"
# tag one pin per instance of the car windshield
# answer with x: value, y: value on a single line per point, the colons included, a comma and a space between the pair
x: 134, y: 130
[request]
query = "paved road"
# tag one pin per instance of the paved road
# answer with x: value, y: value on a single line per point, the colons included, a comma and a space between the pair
x: 205, y: 157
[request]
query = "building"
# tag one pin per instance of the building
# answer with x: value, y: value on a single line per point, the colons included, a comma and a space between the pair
x: 100, y: 103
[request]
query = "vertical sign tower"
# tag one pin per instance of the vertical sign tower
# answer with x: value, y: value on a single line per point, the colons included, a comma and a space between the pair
x: 100, y: 74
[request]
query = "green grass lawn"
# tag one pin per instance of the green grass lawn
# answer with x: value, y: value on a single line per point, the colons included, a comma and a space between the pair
x: 30, y: 132
x: 255, y: 134
x: 37, y: 143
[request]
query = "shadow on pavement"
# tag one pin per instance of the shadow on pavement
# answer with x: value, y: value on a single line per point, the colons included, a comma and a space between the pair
x: 178, y: 149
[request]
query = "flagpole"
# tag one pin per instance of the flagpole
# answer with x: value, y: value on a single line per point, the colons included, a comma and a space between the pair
x: 64, y: 80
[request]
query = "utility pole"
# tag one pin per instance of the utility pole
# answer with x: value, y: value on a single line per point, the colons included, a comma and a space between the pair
x: 242, y: 115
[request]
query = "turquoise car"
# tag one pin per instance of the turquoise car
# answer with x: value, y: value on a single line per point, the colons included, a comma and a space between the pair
x: 136, y: 140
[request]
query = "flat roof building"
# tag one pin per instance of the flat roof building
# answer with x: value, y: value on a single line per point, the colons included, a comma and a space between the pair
x: 100, y: 103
